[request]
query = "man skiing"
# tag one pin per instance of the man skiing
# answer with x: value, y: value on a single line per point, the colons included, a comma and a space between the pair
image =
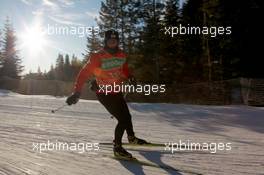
x: 108, y: 67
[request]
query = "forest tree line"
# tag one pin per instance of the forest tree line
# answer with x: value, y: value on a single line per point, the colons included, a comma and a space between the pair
x: 159, y: 58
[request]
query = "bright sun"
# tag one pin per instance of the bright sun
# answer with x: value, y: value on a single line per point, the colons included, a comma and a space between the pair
x: 33, y: 39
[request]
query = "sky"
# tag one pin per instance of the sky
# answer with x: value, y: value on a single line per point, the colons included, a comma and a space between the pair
x: 35, y: 21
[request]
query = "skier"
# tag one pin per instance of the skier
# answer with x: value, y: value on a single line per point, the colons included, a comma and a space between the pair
x: 109, y: 66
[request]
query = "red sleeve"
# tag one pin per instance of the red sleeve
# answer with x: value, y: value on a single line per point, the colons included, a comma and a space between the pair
x: 85, y: 73
x: 126, y: 70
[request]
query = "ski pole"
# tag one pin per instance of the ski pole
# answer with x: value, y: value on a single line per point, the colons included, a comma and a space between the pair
x: 59, y: 108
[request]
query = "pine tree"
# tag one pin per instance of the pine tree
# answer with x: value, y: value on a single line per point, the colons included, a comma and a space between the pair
x: 60, y: 67
x: 108, y: 18
x: 51, y: 75
x: 67, y: 68
x: 151, y: 16
x: 76, y: 65
x: 192, y: 47
x: 11, y: 63
x: 39, y: 71
x: 93, y: 45
x: 113, y: 15
x: 171, y: 62
x: 131, y: 19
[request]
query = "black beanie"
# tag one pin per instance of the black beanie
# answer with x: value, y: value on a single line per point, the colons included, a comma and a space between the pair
x: 111, y: 34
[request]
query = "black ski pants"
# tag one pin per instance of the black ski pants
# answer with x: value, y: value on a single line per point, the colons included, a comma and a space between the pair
x: 117, y: 106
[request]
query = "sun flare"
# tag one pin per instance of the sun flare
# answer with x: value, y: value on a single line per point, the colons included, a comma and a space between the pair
x: 33, y: 39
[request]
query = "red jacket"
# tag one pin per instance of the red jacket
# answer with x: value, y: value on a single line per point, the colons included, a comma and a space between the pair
x: 105, y: 67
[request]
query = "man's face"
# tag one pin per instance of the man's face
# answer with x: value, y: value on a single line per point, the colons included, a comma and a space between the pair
x: 112, y: 43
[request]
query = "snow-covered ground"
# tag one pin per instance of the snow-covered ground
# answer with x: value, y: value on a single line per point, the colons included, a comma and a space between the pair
x: 26, y: 122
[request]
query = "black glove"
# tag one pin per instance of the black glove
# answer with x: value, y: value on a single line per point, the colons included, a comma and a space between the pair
x: 73, y: 99
x: 132, y: 81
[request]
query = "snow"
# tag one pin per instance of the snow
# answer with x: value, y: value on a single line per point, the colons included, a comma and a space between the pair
x: 25, y: 120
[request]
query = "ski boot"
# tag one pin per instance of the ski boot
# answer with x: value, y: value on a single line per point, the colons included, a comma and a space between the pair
x: 120, y: 152
x: 136, y: 141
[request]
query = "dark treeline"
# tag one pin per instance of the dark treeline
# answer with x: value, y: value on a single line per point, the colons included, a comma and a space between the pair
x: 156, y: 57
x: 187, y: 58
